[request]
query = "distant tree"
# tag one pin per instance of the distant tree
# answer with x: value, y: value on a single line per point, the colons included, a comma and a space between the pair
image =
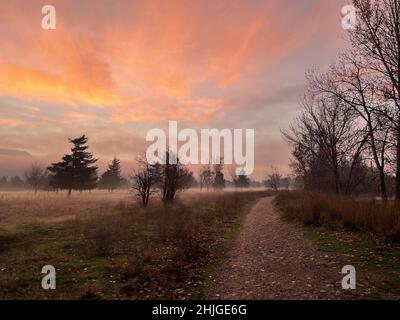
x: 3, y: 183
x: 76, y: 171
x: 256, y: 184
x: 144, y: 180
x: 173, y: 176
x: 16, y: 183
x: 124, y: 183
x: 111, y: 179
x: 242, y: 181
x: 46, y: 181
x: 35, y: 176
x: 285, y: 183
x: 274, y: 179
x: 219, y: 178
x: 206, y: 177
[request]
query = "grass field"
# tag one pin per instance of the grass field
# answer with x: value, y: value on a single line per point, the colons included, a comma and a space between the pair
x: 105, y: 246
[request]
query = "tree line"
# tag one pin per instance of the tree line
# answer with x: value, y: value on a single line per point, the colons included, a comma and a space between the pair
x: 77, y: 171
x: 347, y: 138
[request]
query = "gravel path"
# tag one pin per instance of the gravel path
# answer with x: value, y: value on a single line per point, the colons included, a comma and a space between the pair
x: 272, y: 259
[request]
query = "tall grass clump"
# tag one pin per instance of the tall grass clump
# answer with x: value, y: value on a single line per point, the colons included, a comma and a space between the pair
x: 349, y: 213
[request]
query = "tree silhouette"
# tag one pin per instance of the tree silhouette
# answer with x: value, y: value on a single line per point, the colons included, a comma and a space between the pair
x: 111, y: 179
x: 219, y: 179
x: 3, y: 183
x: 16, y: 183
x: 241, y: 180
x: 173, y: 176
x: 274, y: 179
x: 376, y: 38
x: 206, y: 177
x: 144, y: 180
x: 76, y: 170
x: 35, y: 176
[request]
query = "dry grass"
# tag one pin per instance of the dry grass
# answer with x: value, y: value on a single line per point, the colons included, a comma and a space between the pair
x: 361, y: 232
x: 318, y: 209
x: 106, y: 246
x: 25, y: 207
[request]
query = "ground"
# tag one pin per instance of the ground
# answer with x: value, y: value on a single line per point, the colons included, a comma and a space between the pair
x: 273, y: 259
x: 107, y: 246
x: 226, y: 245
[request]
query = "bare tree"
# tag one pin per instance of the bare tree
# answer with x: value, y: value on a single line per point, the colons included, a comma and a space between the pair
x: 328, y: 137
x: 144, y: 180
x: 274, y: 179
x: 35, y: 176
x: 206, y: 177
x: 351, y: 82
x: 173, y: 176
x: 377, y: 39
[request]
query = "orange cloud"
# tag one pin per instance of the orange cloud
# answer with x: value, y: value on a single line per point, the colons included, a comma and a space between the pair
x: 11, y: 122
x: 79, y: 116
x: 197, y: 110
x: 222, y: 63
x: 145, y: 65
x: 26, y: 83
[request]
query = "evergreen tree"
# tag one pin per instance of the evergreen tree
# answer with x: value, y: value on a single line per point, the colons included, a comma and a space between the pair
x: 3, y: 183
x: 111, y: 179
x: 242, y: 181
x: 76, y: 171
x: 124, y: 184
x: 17, y: 183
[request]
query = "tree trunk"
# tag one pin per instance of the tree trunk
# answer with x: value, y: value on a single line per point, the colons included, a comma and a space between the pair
x: 398, y: 164
x: 147, y: 198
x: 337, y: 181
x: 383, y: 185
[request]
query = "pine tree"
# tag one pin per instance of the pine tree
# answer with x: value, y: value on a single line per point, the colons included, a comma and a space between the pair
x: 111, y: 179
x: 242, y: 181
x: 16, y: 183
x: 76, y: 171
x: 3, y: 183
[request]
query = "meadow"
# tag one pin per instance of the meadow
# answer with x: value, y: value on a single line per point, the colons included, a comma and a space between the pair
x: 106, y: 246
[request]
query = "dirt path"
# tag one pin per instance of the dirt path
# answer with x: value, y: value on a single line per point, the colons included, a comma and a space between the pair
x: 272, y: 259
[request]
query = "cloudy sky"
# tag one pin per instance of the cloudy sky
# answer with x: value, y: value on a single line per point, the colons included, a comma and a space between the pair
x: 115, y: 69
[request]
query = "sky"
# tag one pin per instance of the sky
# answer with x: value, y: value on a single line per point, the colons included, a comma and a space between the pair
x: 115, y: 69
